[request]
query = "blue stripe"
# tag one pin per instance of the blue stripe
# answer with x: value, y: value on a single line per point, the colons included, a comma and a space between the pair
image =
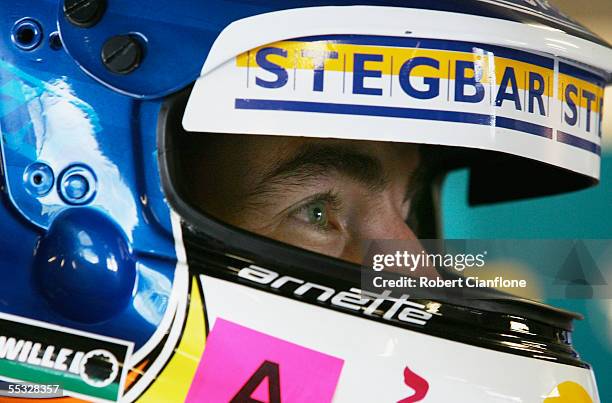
x: 522, y: 126
x: 394, y: 112
x: 397, y: 41
x: 578, y: 142
x: 581, y: 74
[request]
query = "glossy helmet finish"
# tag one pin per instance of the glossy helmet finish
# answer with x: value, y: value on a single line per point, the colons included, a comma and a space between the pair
x: 105, y: 253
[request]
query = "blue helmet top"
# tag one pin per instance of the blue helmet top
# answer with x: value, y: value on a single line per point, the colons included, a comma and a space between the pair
x: 176, y: 36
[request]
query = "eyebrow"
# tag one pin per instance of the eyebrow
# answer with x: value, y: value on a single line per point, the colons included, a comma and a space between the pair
x: 313, y: 161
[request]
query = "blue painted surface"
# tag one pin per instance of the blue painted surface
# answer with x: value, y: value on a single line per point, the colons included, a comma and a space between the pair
x: 53, y: 118
x: 579, y: 215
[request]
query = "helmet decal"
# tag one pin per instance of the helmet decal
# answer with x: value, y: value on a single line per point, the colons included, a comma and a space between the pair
x: 408, y: 90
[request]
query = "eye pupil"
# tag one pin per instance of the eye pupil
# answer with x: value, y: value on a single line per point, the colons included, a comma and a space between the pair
x: 317, y: 214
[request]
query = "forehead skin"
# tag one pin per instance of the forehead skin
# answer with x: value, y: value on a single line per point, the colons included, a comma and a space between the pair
x: 227, y: 168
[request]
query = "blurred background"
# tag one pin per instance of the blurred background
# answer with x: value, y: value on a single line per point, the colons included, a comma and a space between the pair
x: 585, y: 214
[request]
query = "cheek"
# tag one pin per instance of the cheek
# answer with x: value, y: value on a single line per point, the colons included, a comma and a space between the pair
x: 371, y: 227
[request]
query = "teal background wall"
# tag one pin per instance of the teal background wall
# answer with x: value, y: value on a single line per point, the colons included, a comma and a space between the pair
x: 585, y: 214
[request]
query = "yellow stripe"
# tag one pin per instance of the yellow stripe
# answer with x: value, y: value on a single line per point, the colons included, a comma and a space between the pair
x: 565, y: 80
x: 394, y: 57
x: 172, y: 385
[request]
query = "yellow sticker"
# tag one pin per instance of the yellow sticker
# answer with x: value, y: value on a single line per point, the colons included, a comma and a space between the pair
x: 569, y: 392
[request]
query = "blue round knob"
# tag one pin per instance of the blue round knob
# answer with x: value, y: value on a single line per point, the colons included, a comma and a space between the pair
x: 83, y: 266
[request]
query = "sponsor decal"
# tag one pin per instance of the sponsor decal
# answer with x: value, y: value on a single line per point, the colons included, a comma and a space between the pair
x: 253, y: 388
x: 383, y: 305
x: 243, y: 365
x: 426, y: 80
x: 569, y: 392
x: 83, y: 364
x: 416, y: 383
x: 403, y: 89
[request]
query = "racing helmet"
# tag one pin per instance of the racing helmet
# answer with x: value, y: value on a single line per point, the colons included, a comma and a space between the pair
x: 122, y: 287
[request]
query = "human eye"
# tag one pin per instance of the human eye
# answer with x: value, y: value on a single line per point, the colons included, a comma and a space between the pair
x: 319, y: 213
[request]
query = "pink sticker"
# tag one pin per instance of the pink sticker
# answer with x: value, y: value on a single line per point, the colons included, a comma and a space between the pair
x: 240, y: 365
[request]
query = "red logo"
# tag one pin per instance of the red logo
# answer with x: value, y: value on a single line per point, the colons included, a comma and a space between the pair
x: 416, y: 383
